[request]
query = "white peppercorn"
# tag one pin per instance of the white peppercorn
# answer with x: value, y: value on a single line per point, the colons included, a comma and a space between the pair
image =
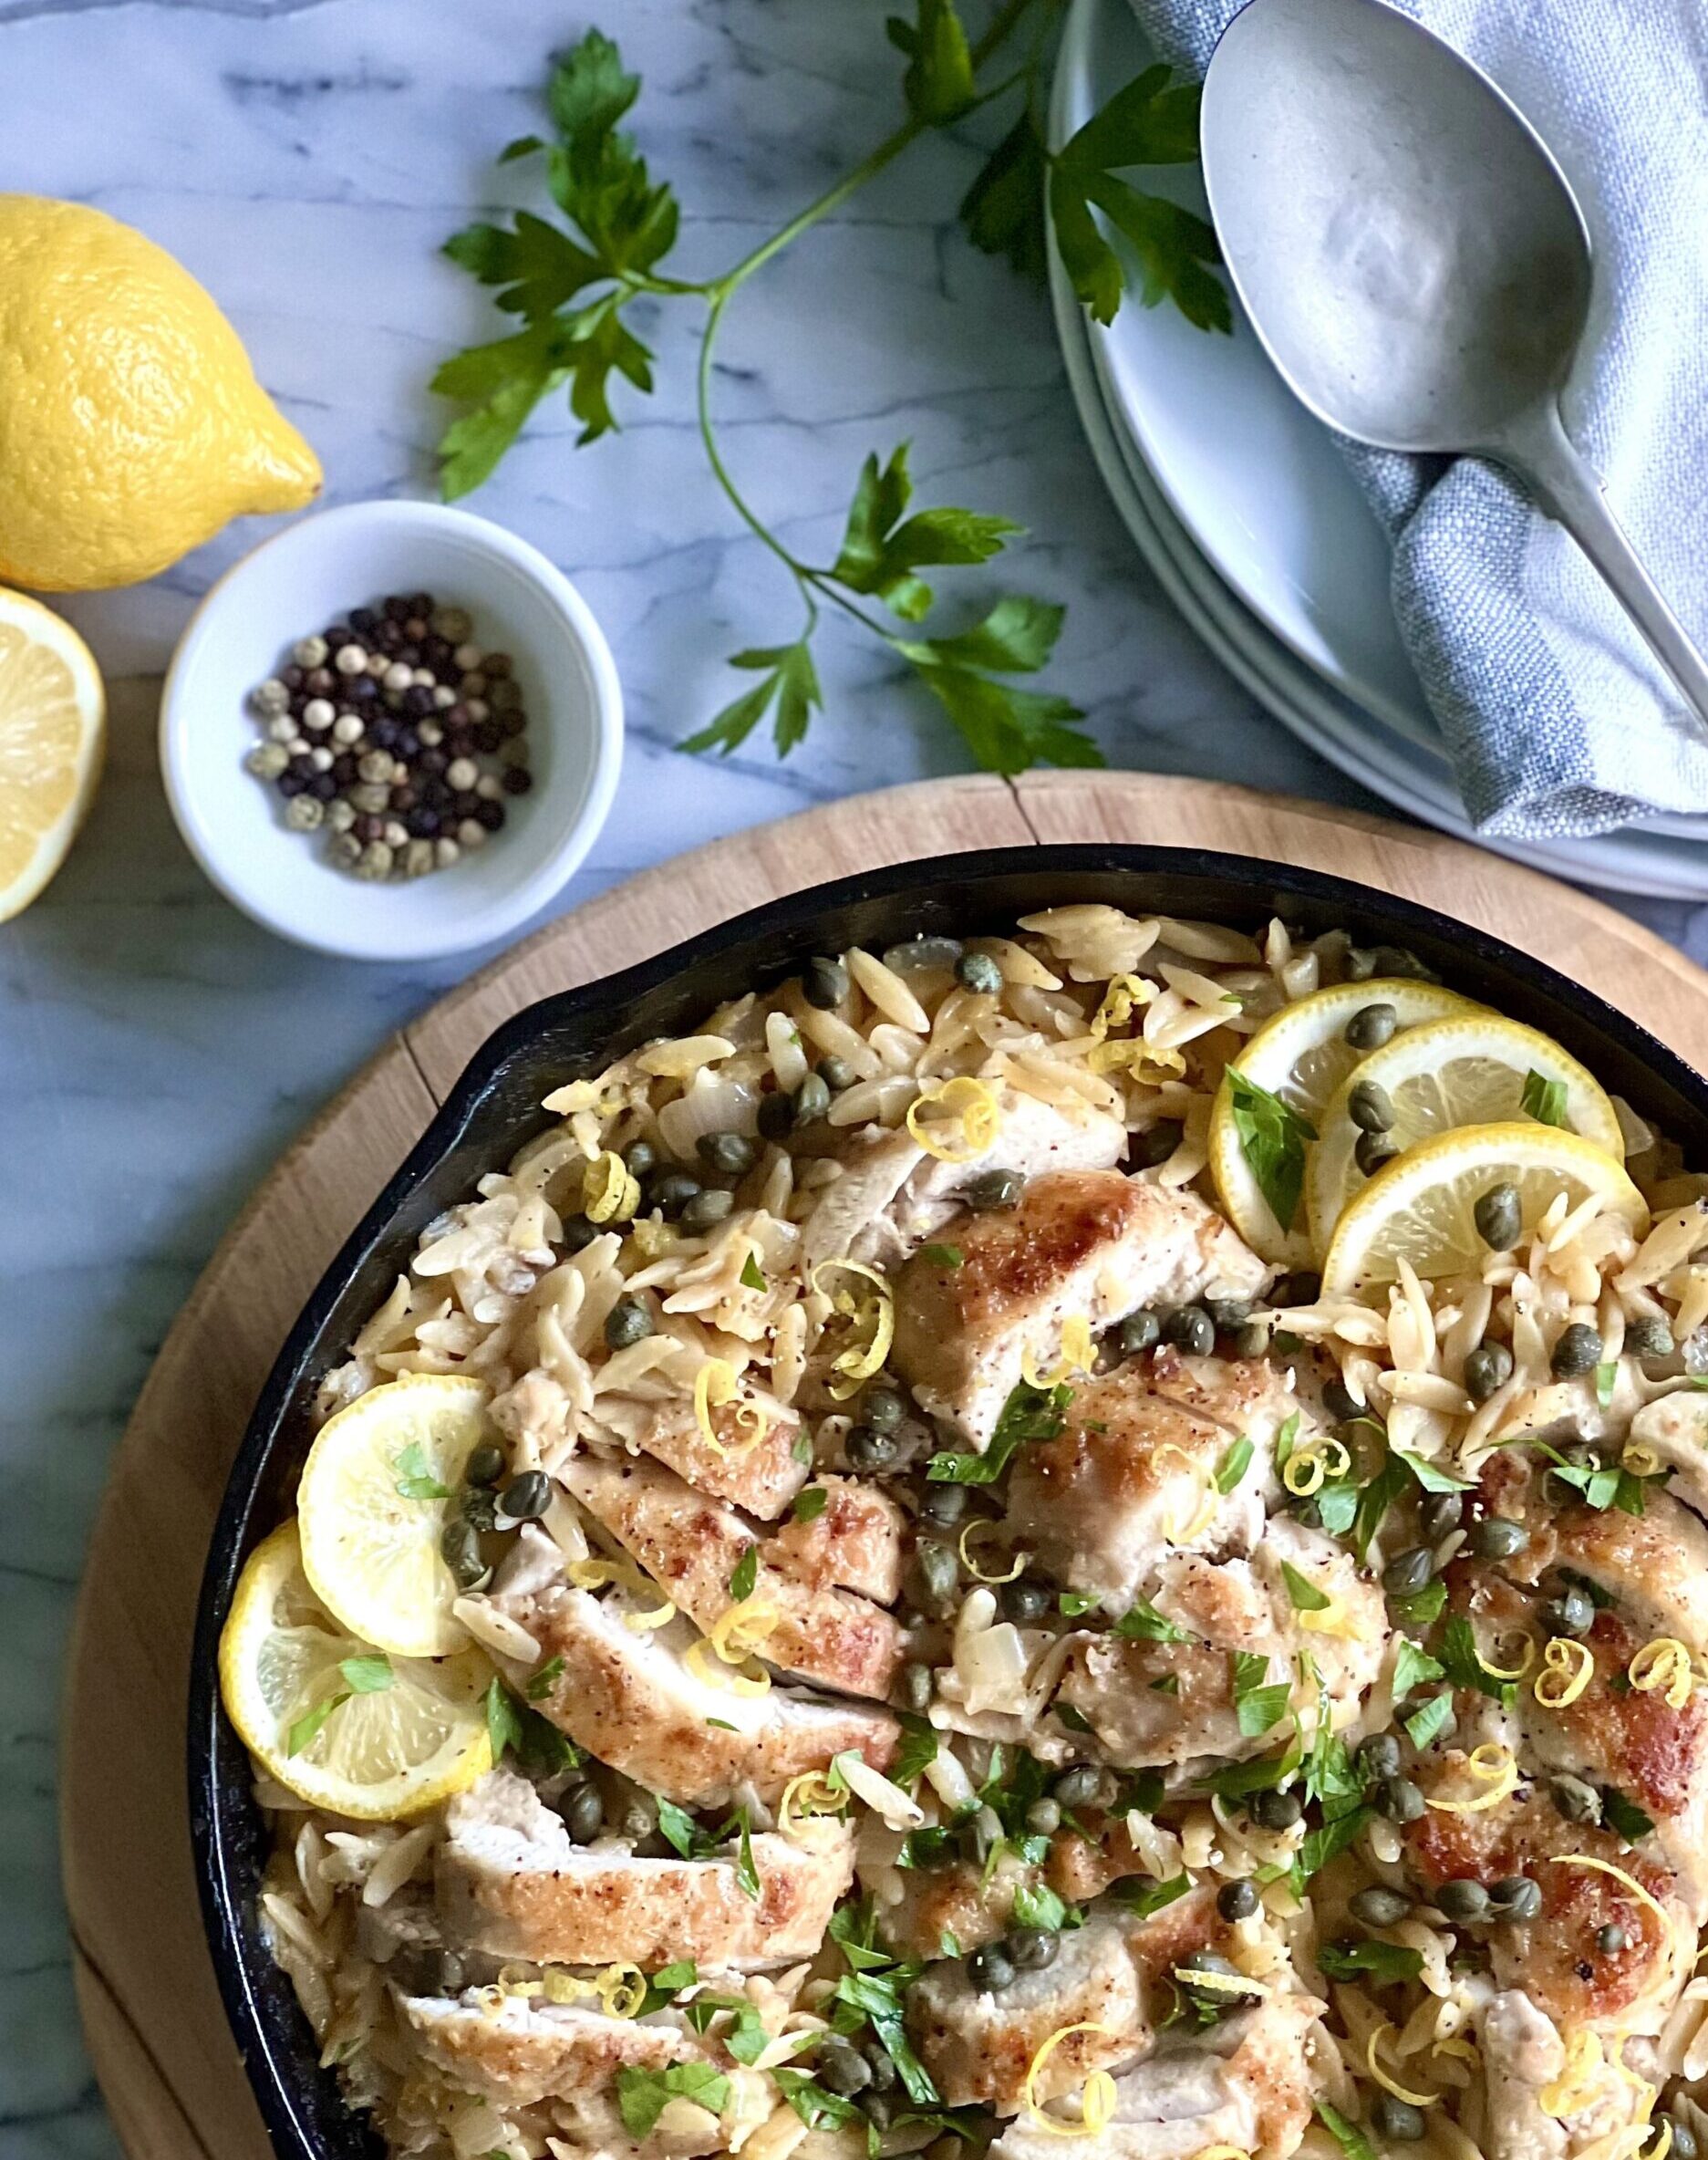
x: 468, y: 656
x: 444, y: 697
x: 282, y: 727
x: 418, y: 859
x: 320, y: 757
x: 375, y: 765
x: 303, y: 813
x: 369, y: 797
x: 298, y: 746
x: 318, y: 714
x: 489, y: 787
x: 378, y: 664
x: 310, y: 653
x: 351, y: 659
x: 423, y: 679
x: 471, y: 835
x: 345, y: 849
x: 375, y: 861
x: 432, y: 734
x: 398, y: 677
x: 446, y: 852
x: 474, y: 705
x: 462, y: 773
x: 397, y: 833
x: 270, y: 696
x: 340, y: 814
x: 346, y: 730
x: 505, y: 695
x: 452, y: 624
x: 266, y: 761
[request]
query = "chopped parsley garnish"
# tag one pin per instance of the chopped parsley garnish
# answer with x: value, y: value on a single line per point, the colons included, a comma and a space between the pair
x: 415, y: 1480
x: 745, y: 1574
x: 1346, y: 2135
x: 1143, y: 1898
x: 1381, y: 1961
x: 1258, y: 1703
x: 542, y: 1683
x: 1235, y: 1780
x: 1073, y: 1603
x: 1430, y: 1475
x: 1169, y: 1685
x: 1233, y: 1464
x: 801, y: 1447
x: 1030, y: 1413
x: 944, y: 1256
x: 1420, y: 1608
x: 1462, y: 1664
x: 1302, y: 1592
x: 918, y: 1747
x: 1320, y: 1845
x: 1624, y: 1816
x: 1141, y: 1623
x: 362, y: 1676
x: 1428, y: 1722
x: 1413, y: 1668
x: 1606, y: 1379
x: 747, y: 2039
x: 746, y: 1873
x: 817, y: 2107
x: 1372, y: 1503
x: 811, y: 1502
x: 1075, y: 1720
x: 534, y: 1741
x: 1543, y: 1100
x: 1037, y: 1906
x: 1272, y: 1137
x: 752, y: 1274
x: 641, y: 2094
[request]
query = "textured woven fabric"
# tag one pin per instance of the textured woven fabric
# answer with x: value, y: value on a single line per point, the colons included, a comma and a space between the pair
x: 1558, y: 720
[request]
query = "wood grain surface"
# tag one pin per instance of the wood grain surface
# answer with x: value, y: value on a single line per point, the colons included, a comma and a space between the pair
x: 164, y: 2054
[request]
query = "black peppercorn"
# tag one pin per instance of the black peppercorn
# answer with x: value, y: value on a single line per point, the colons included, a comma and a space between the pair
x: 490, y: 814
x: 517, y: 780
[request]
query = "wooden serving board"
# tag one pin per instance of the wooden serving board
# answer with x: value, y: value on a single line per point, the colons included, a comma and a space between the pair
x: 155, y: 2026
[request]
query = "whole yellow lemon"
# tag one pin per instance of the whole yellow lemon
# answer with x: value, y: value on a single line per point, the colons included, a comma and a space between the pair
x: 131, y: 424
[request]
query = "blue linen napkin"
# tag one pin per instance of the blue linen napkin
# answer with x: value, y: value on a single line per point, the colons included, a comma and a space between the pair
x: 1558, y: 720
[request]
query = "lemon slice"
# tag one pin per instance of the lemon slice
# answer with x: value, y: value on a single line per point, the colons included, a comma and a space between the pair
x: 53, y: 736
x: 1470, y: 1070
x: 1420, y: 1206
x: 344, y: 1727
x: 1301, y: 1054
x: 373, y: 1503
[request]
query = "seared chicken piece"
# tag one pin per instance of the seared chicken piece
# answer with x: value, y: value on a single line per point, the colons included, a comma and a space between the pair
x: 979, y: 2047
x: 892, y: 1195
x: 1655, y: 1565
x: 854, y: 1542
x: 626, y: 1696
x: 521, y: 2051
x: 1241, y: 1607
x: 1082, y: 1245
x: 943, y: 1911
x: 1133, y: 1473
x: 1675, y: 1429
x: 763, y: 1480
x: 1245, y: 2081
x: 692, y: 1546
x: 1522, y: 2053
x: 511, y: 1885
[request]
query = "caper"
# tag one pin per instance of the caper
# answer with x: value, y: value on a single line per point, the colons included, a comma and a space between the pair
x: 1571, y: 1612
x: 730, y: 1154
x: 1140, y: 1330
x: 1577, y: 1800
x: 812, y: 1099
x: 885, y: 2076
x: 579, y: 1233
x: 836, y: 1072
x: 917, y: 1684
x: 640, y: 1157
x: 1081, y: 1786
x: 1370, y: 1107
x: 707, y: 1209
x: 1463, y: 1900
x: 1409, y: 1571
x: 1252, y: 1340
x: 1578, y: 1351
x: 1370, y: 1026
x: 824, y: 982
x: 1022, y: 1602
x: 1190, y: 1328
x: 840, y: 2067
x: 1043, y: 1818
x: 1274, y: 1811
x: 1487, y: 1367
x: 1611, y: 1940
x: 1216, y: 1968
x: 583, y: 1812
x: 1399, y: 1800
x: 1360, y: 964
x: 979, y: 1835
x: 1395, y: 960
x: 1372, y: 1151
x: 485, y: 1465
x: 460, y: 1545
x: 1338, y: 1401
x: 775, y: 1115
x: 1499, y: 1218
x: 672, y: 1192
x: 524, y: 1499
x: 990, y: 1969
x: 1649, y: 1336
x: 1378, y: 1906
x: 1497, y: 1537
x: 1156, y: 1144
x: 1228, y: 1313
x: 1302, y: 1286
x: 1239, y: 1900
x: 478, y: 1507
x: 942, y: 1506
x: 1378, y: 1757
x: 1440, y: 1514
x: 994, y: 1189
x: 1515, y: 1897
x: 1685, y: 2142
x: 1397, y: 2120
x: 1031, y: 1950
x: 933, y: 1577
x: 867, y: 1448
x: 980, y: 971
x: 627, y: 1322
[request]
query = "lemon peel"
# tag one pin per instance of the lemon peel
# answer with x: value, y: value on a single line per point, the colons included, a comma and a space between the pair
x: 970, y: 1122
x: 1492, y: 1764
x: 610, y: 1191
x: 1076, y: 1355
x: 1607, y: 1867
x: 1378, y: 2034
x: 1663, y: 1667
x: 984, y: 1529
x: 853, y: 1367
x: 1098, y: 2097
x: 53, y: 741
x: 739, y: 1631
x: 1575, y: 2088
x: 1512, y: 1672
x: 1179, y: 1530
x: 1568, y: 1669
x: 1313, y: 1461
x: 810, y: 1794
x: 705, y: 1665
x: 716, y: 1386
x: 1125, y: 996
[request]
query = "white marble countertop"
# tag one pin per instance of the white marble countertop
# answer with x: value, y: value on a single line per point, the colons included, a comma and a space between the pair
x: 305, y: 157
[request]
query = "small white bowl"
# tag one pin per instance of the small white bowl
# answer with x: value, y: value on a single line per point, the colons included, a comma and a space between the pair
x: 310, y: 575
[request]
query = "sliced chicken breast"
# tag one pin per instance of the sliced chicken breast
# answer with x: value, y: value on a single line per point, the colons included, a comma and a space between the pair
x: 511, y: 1885
x: 1244, y: 2083
x: 1086, y: 1244
x: 854, y: 1541
x: 626, y: 1696
x: 1676, y: 1427
x: 763, y: 1480
x: 980, y: 2046
x: 1522, y: 2053
x: 521, y: 2052
x: 1235, y: 1607
x: 1133, y: 1473
x: 941, y: 1912
x: 692, y: 1546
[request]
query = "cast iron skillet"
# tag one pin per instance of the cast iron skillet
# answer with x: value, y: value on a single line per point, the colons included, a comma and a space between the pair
x: 495, y: 1106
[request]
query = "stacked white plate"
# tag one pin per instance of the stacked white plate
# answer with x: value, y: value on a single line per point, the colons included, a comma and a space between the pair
x: 1243, y: 507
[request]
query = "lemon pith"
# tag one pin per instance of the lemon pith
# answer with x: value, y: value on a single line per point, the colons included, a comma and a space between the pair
x: 131, y: 424
x: 53, y: 739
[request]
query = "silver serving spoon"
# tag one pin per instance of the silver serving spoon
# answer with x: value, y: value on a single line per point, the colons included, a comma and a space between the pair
x: 1413, y: 259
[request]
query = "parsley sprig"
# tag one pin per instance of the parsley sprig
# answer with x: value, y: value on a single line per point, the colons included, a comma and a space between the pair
x: 583, y: 287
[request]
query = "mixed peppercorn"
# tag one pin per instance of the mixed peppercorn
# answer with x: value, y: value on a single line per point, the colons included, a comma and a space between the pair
x: 397, y: 735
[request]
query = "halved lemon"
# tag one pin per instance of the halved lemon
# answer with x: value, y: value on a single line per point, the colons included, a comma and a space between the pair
x: 53, y: 736
x: 1301, y: 1054
x: 344, y: 1726
x: 1420, y: 1206
x: 1474, y: 1070
x: 373, y: 1503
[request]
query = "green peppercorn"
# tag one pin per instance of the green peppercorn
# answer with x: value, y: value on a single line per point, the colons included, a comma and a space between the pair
x: 1463, y: 1900
x: 579, y: 1233
x: 1022, y: 1602
x: 478, y: 1507
x: 979, y: 1835
x: 840, y: 2067
x: 776, y: 1116
x: 883, y: 1410
x: 1043, y: 1818
x: 1399, y: 1800
x: 1684, y: 2141
x: 869, y: 1449
x: 1439, y: 1513
x: 980, y: 971
x: 1378, y: 1757
x: 1080, y: 1786
x: 1302, y: 1286
x: 1339, y: 1402
x: 1497, y: 1537
x: 524, y: 1499
x: 1209, y: 1995
x: 1228, y: 1313
x: 707, y: 1209
x: 1239, y: 1900
x: 1370, y: 1107
x: 1156, y: 1144
x: 932, y: 1578
x: 1487, y: 1367
x: 460, y: 1546
x: 1370, y: 1026
x: 730, y: 1154
x: 672, y: 1192
x: 627, y: 1323
x: 582, y: 1812
x: 1499, y: 1217
x: 992, y: 1190
x: 917, y: 1684
x: 1378, y: 1906
x: 824, y: 982
x: 1578, y: 1351
x: 640, y: 1158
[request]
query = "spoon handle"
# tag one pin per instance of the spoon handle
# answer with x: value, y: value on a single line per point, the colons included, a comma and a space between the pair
x: 1539, y: 450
